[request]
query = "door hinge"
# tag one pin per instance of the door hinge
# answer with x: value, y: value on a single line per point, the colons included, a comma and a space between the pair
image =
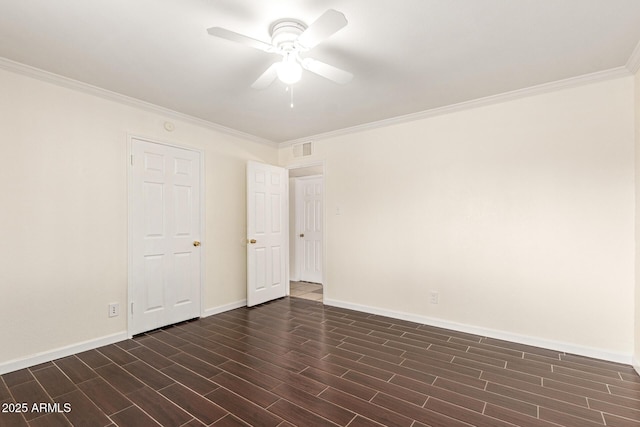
x: 131, y: 308
x: 132, y: 160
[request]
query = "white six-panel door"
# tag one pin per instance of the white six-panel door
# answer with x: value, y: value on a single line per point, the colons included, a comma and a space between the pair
x: 164, y: 236
x: 267, y: 232
x: 309, y: 197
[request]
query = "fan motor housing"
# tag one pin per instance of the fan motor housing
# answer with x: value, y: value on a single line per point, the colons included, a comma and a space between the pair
x: 284, y: 32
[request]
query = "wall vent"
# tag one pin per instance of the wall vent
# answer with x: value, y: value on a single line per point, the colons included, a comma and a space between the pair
x: 302, y: 150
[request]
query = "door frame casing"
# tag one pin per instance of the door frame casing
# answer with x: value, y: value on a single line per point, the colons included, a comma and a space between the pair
x: 202, y: 249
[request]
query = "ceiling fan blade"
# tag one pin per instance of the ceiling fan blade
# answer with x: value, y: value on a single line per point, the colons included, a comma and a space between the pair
x: 327, y: 71
x: 267, y: 77
x: 223, y: 33
x: 322, y: 28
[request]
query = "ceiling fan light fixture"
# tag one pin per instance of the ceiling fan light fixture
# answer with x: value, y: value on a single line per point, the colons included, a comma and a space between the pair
x: 289, y: 38
x: 289, y: 71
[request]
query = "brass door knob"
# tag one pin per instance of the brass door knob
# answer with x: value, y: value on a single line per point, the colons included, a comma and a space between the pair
x: 302, y: 235
x: 253, y: 241
x: 196, y: 243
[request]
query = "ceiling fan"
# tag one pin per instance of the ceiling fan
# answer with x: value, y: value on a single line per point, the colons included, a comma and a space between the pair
x: 290, y: 38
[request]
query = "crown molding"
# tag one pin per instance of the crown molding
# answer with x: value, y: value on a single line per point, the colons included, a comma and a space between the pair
x: 467, y: 105
x: 633, y: 64
x: 59, y: 80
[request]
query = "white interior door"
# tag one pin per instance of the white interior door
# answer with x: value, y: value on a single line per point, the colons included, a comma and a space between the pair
x: 309, y: 199
x: 267, y: 232
x: 165, y: 236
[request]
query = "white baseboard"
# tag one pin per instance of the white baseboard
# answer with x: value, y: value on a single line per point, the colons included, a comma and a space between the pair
x: 47, y: 356
x: 492, y: 333
x: 636, y: 364
x: 222, y: 308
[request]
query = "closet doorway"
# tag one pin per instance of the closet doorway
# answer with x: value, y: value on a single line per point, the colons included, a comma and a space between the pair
x: 306, y: 231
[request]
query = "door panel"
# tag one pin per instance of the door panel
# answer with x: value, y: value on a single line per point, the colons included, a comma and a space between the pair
x: 267, y: 216
x: 310, y: 234
x: 165, y: 223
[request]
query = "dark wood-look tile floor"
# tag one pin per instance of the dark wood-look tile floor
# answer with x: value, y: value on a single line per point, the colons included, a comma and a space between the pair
x: 294, y: 362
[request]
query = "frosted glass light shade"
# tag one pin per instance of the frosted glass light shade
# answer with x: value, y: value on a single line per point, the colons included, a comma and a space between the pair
x: 289, y: 72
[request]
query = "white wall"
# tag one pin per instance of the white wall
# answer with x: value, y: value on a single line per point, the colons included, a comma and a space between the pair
x: 520, y: 214
x: 63, y: 181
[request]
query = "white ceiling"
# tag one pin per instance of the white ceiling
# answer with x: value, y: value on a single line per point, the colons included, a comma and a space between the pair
x: 406, y: 56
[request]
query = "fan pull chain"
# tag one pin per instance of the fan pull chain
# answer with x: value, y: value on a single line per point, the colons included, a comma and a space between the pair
x: 291, y: 92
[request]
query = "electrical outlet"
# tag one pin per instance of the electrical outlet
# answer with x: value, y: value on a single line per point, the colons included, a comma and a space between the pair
x: 114, y: 309
x: 433, y: 297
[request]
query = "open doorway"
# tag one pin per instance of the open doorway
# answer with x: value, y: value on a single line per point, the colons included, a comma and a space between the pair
x: 306, y: 231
